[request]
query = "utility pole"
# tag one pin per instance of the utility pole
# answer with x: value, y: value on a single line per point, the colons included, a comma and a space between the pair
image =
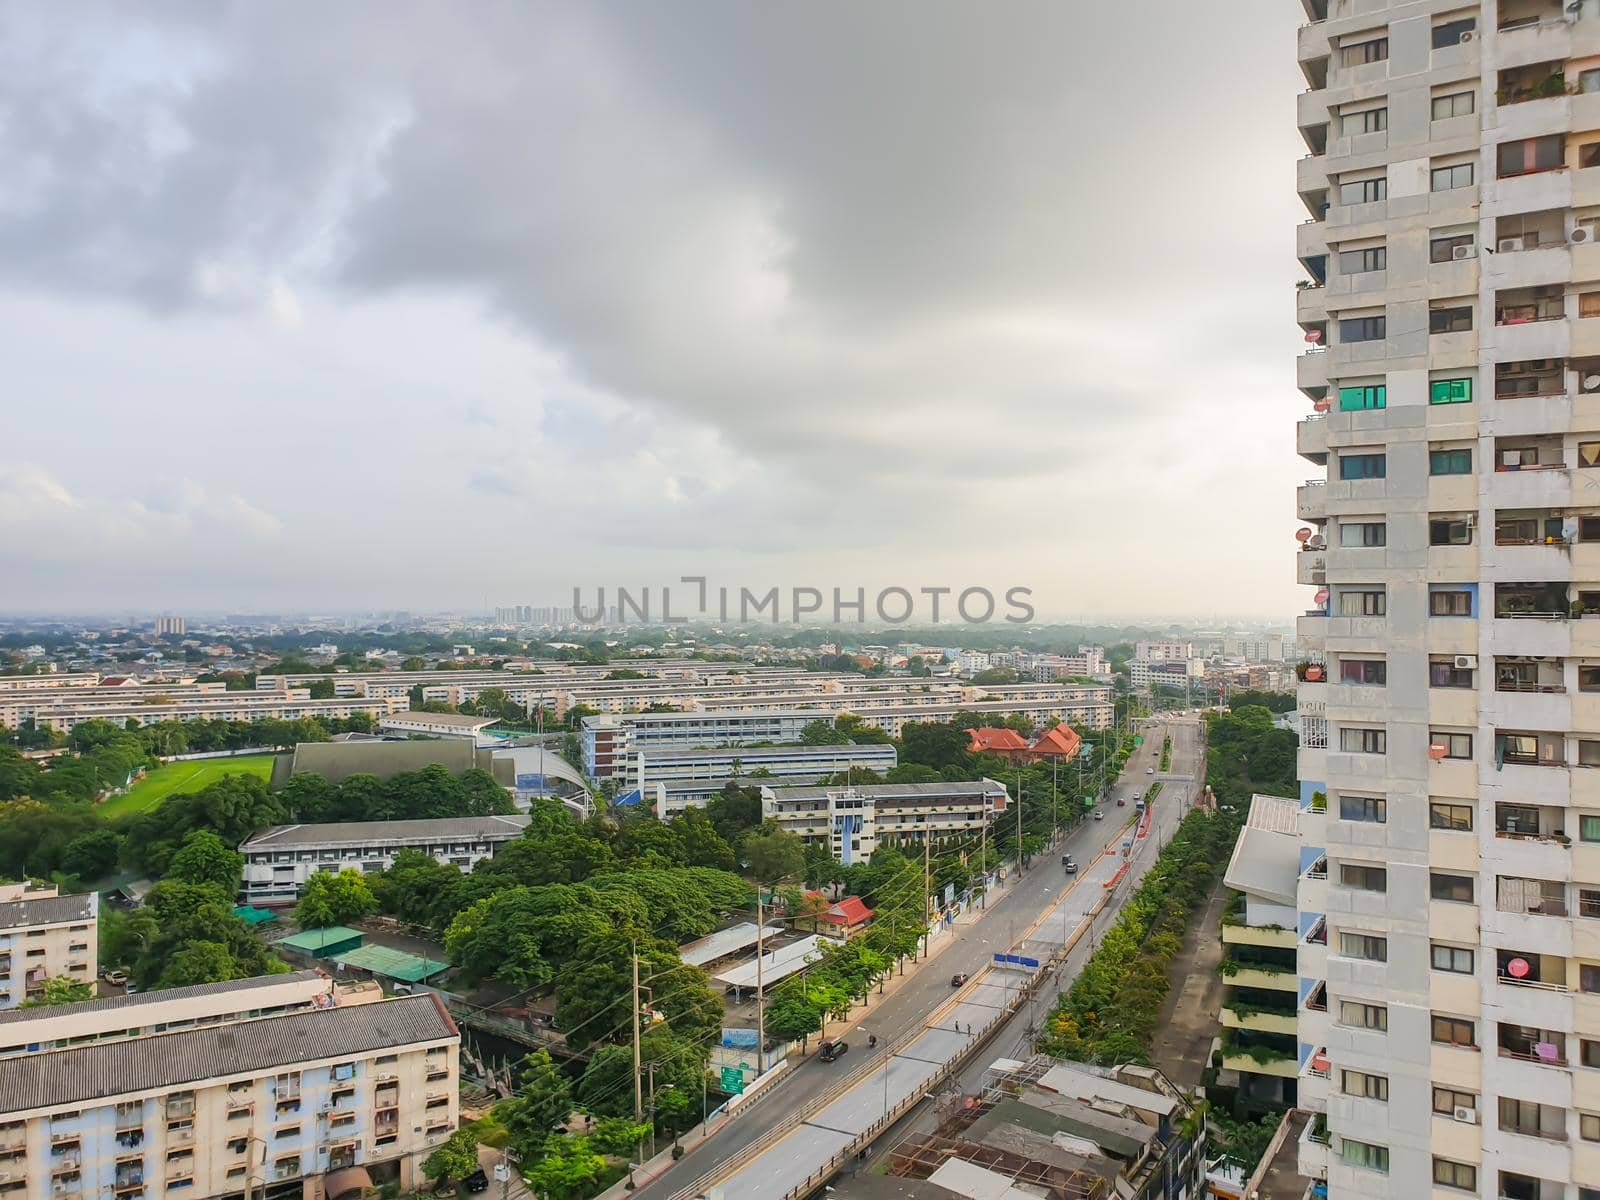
x: 983, y: 863
x: 927, y: 887
x: 761, y: 1012
x: 1055, y: 819
x: 1019, y: 822
x: 638, y: 1089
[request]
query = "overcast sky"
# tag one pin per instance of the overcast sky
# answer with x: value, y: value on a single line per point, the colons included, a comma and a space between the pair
x: 411, y: 305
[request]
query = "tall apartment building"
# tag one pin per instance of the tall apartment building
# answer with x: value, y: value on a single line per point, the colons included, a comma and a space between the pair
x: 1453, y: 306
x: 44, y: 935
x: 168, y: 625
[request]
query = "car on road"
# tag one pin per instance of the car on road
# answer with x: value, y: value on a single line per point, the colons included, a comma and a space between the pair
x: 833, y: 1050
x: 1098, y: 815
x: 1122, y: 801
x: 1068, y: 862
x: 959, y: 980
x: 1149, y: 770
x: 115, y: 976
x: 476, y: 1182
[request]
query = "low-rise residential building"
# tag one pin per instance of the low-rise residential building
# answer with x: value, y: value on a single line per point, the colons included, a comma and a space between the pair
x: 319, y: 1103
x: 854, y: 821
x: 43, y: 935
x: 427, y: 724
x: 1260, y: 931
x: 1046, y: 1127
x: 279, y: 860
x: 1157, y: 651
x: 227, y: 706
x: 690, y: 775
x: 609, y: 742
x: 998, y: 741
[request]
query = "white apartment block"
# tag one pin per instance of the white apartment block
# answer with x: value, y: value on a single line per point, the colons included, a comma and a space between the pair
x: 691, y: 775
x: 1449, y: 957
x: 1163, y: 651
x: 318, y: 1103
x: 279, y: 860
x: 854, y: 821
x: 119, y: 709
x: 44, y: 935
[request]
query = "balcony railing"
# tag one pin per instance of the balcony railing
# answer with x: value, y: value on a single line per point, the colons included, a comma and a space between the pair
x: 1318, y: 869
x: 1317, y: 935
x: 1541, y: 984
x: 1559, y: 1059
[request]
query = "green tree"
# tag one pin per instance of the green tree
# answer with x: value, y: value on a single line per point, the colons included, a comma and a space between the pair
x: 569, y: 1169
x: 335, y: 899
x: 789, y: 1018
x: 92, y: 855
x: 453, y: 1159
x: 199, y: 962
x: 822, y: 732
x: 772, y: 855
x: 542, y: 1103
x: 60, y: 989
x: 204, y: 859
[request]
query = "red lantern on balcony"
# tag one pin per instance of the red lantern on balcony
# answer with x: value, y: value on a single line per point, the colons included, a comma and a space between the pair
x: 1437, y: 751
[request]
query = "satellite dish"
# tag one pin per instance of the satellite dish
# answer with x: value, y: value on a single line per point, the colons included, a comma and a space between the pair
x: 1303, y: 534
x: 1518, y: 968
x: 1591, y: 383
x: 1313, y: 336
x: 1436, y: 751
x: 1321, y: 404
x: 1321, y: 597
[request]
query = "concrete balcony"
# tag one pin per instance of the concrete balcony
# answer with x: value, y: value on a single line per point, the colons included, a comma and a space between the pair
x: 1314, y: 1150
x: 1313, y: 1084
x: 1533, y: 339
x: 1521, y: 783
x: 1283, y: 1068
x: 1311, y: 438
x: 1311, y: 567
x: 1311, y: 500
x: 1311, y: 42
x: 1311, y: 174
x: 1547, y: 1006
x: 1311, y: 632
x: 1532, y: 561
x: 1262, y: 1022
x: 1534, y: 192
x: 1546, y: 40
x: 1534, y: 933
x: 1453, y: 707
x: 1311, y: 241
x: 1311, y: 305
x: 1526, y: 268
x: 1532, y: 488
x: 1528, y: 856
x: 1527, y: 710
x: 1533, y: 636
x: 1311, y: 371
x: 1281, y: 981
x: 1258, y: 935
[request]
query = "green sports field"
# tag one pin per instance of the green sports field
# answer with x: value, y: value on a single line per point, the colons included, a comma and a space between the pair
x: 169, y: 778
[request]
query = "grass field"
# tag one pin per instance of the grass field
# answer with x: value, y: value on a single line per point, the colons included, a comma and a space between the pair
x: 169, y: 778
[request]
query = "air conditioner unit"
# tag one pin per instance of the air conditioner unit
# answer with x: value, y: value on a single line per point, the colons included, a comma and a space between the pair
x: 1465, y: 1114
x: 1581, y: 234
x: 1467, y: 662
x: 1509, y: 245
x: 1459, y: 253
x: 1468, y: 37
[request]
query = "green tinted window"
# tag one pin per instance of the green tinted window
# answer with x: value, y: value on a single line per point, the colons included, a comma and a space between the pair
x: 1450, y: 391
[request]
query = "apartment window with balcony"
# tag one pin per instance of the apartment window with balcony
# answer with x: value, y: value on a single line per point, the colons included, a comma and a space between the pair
x: 1367, y: 1086
x: 1362, y: 397
x: 1459, y: 1175
x: 1368, y: 120
x: 1456, y: 745
x: 1455, y: 959
x: 1529, y: 155
x: 1363, y: 878
x: 1451, y: 246
x: 1364, y: 741
x: 1450, y: 531
x: 1355, y: 603
x: 1455, y: 888
x: 1359, y: 262
x: 1450, y: 462
x: 1454, y: 817
x: 1363, y: 534
x: 1369, y: 50
x: 1368, y: 672
x: 1363, y: 329
x: 1447, y: 1100
x: 1531, y: 749
x: 1450, y: 318
x: 1453, y: 104
x: 1364, y: 1154
x: 1453, y: 32
x: 1532, y: 1119
x: 1374, y: 810
x: 1363, y: 191
x: 1450, y: 391
x: 1453, y: 1031
x: 1363, y: 466
x: 1357, y: 1015
x: 1365, y: 946
x: 1451, y: 176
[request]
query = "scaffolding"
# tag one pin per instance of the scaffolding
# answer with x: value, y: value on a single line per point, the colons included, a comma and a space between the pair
x: 919, y: 1157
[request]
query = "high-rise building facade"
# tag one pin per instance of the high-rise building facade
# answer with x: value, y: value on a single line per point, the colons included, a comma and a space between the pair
x: 168, y: 625
x: 1449, y: 950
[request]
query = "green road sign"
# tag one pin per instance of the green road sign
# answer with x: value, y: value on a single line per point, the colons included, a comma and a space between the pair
x: 732, y: 1081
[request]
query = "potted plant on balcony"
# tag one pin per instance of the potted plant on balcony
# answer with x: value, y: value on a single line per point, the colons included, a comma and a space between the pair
x: 1579, y: 608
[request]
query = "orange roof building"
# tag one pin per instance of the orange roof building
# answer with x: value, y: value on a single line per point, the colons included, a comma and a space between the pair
x: 1060, y: 743
x: 1007, y: 743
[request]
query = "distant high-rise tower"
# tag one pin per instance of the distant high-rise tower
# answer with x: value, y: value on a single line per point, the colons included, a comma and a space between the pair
x: 170, y: 625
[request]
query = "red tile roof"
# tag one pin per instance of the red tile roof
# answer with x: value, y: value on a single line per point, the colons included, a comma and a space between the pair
x: 1060, y: 742
x: 849, y: 912
x: 992, y: 740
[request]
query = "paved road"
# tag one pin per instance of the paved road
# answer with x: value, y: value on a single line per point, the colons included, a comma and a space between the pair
x: 908, y: 1009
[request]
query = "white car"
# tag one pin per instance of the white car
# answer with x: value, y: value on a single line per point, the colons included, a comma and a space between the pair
x: 1149, y: 770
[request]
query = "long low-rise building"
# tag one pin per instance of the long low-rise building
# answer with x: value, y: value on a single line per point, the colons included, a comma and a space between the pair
x: 852, y: 822
x: 324, y: 1102
x: 609, y: 742
x: 230, y: 706
x: 692, y: 775
x: 45, y: 935
x: 435, y: 725
x: 279, y: 860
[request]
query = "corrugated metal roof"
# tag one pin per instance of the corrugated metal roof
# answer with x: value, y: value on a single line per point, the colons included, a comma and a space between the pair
x: 12, y: 1016
x: 337, y: 833
x: 47, y: 910
x: 103, y: 1070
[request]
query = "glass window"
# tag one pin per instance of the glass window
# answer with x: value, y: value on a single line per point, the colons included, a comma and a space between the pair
x: 1363, y: 533
x: 1363, y: 1016
x: 1457, y: 175
x: 1455, y: 959
x: 1588, y: 1052
x: 1456, y: 745
x: 1454, y: 318
x: 1363, y: 466
x: 1589, y: 81
x: 1456, y: 888
x: 1359, y: 262
x: 1447, y: 1100
x: 1355, y: 54
x: 1589, y: 1127
x: 1364, y: 1154
x: 1370, y: 672
x: 1453, y: 1031
x: 1357, y: 399
x: 1588, y: 828
x: 1363, y: 329
x: 1450, y: 391
x: 1368, y: 120
x: 1365, y: 1085
x: 1457, y: 817
x: 1443, y: 673
x: 1589, y: 454
x: 1363, y: 741
x: 1449, y: 531
x: 1363, y: 877
x: 1455, y: 1175
x: 1364, y: 945
x: 1451, y: 462
x: 1589, y: 304
x: 1454, y: 104
x: 1588, y: 977
x: 1373, y: 809
x: 1453, y: 33
x: 1363, y: 604
x: 1449, y: 603
x: 1529, y: 155
x: 1363, y: 191
x: 1589, y: 156
x: 1443, y: 249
